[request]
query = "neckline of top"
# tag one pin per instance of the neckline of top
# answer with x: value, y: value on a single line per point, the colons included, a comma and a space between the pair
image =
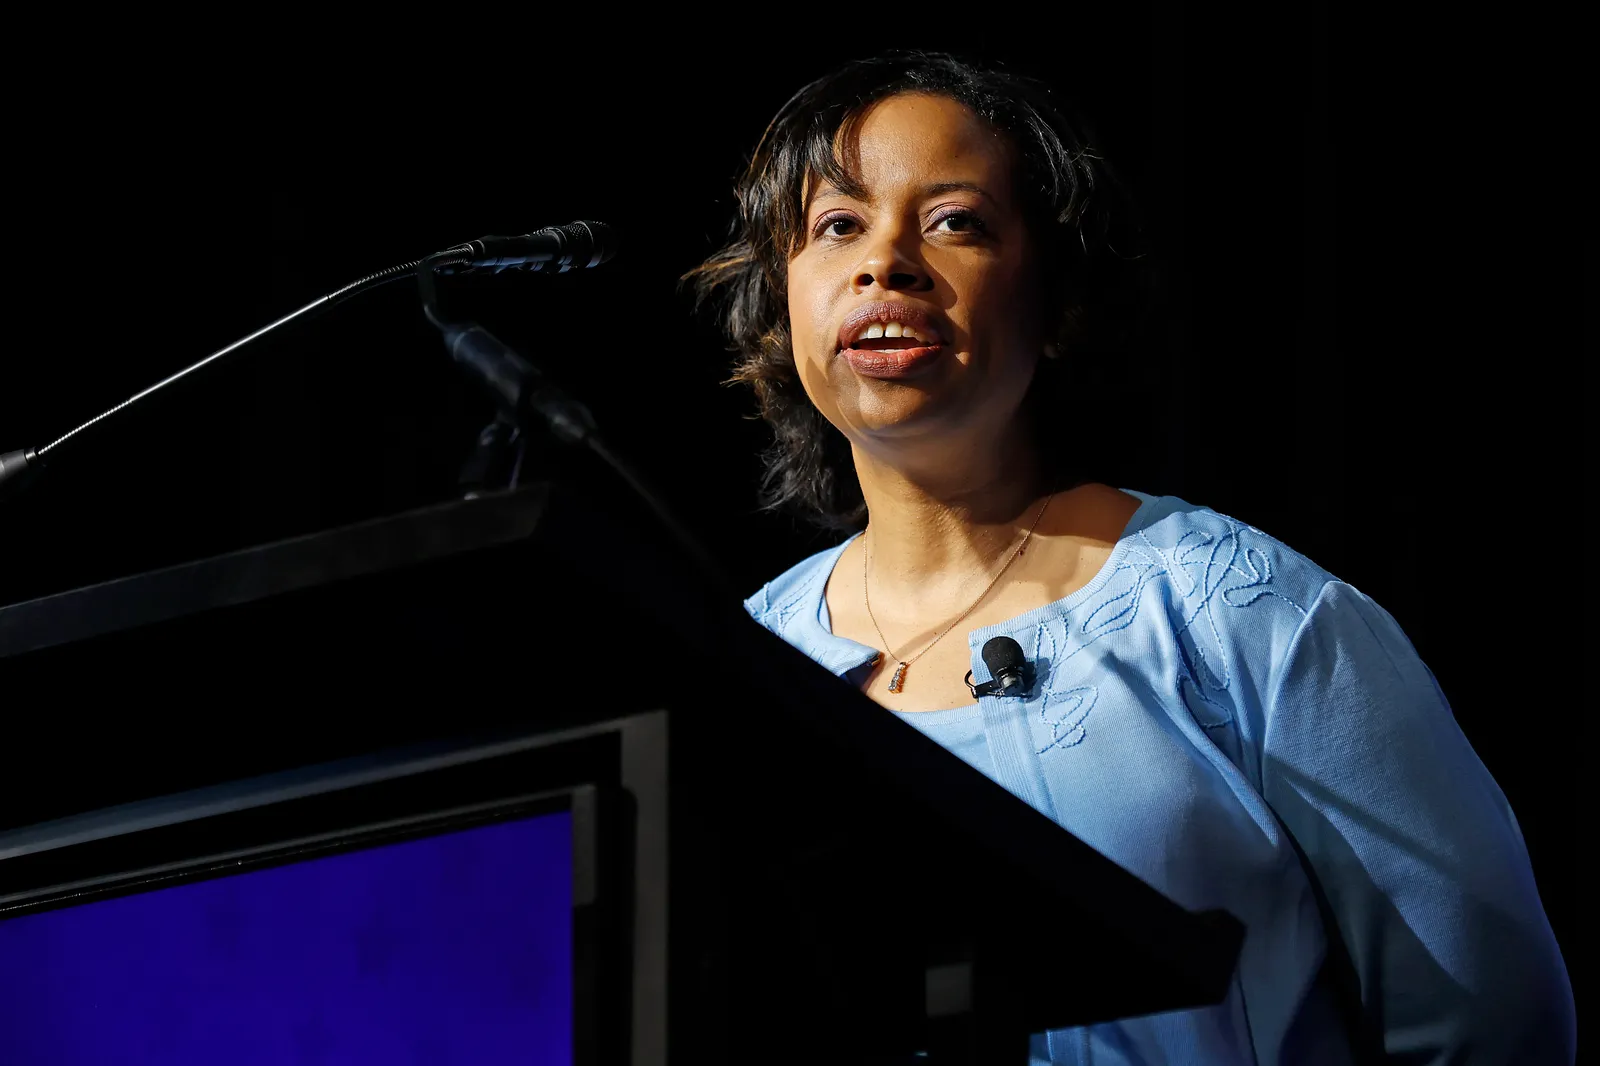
x: 841, y: 653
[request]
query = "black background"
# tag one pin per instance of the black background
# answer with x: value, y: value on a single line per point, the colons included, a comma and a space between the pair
x: 1372, y: 351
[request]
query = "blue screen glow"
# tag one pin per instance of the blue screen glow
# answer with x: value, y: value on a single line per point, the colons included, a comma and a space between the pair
x: 444, y: 950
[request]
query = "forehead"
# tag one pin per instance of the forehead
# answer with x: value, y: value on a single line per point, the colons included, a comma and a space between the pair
x: 914, y: 140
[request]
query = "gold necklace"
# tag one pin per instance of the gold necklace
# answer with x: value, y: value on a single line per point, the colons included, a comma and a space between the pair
x: 897, y: 682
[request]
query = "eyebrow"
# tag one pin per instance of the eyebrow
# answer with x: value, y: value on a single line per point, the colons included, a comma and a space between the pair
x: 958, y: 186
x: 936, y: 189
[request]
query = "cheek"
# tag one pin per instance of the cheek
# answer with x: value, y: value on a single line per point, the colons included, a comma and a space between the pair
x: 810, y: 311
x: 1005, y: 307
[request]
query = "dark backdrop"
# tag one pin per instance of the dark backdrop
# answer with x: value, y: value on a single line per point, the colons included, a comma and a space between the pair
x: 1368, y: 235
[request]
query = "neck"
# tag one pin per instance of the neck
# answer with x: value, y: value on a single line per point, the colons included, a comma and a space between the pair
x: 934, y: 530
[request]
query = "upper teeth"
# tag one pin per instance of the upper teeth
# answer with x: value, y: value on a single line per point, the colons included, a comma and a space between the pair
x: 891, y: 329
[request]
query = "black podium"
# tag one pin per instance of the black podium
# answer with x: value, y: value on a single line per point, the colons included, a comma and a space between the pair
x: 773, y: 868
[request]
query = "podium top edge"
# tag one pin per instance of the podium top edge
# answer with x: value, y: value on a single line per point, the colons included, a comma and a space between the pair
x: 264, y: 570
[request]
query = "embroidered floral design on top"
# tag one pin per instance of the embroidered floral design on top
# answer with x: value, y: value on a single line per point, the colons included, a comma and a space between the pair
x: 1205, y: 569
x: 1064, y: 713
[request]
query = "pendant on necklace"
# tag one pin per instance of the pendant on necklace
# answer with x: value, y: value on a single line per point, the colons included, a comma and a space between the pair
x: 899, y: 676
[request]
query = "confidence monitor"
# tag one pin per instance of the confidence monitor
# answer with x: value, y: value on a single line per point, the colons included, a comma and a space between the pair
x: 420, y: 908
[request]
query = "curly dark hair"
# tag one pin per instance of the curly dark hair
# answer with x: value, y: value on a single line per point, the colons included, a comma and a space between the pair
x: 1070, y: 197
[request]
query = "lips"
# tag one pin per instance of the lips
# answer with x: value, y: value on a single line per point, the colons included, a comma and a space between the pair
x: 885, y: 313
x: 890, y: 339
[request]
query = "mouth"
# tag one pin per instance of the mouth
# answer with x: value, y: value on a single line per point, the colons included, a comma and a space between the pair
x: 890, y: 339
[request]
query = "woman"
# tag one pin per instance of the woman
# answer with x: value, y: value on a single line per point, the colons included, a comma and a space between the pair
x: 911, y: 287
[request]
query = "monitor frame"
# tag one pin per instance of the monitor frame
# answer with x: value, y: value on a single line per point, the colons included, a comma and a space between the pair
x: 347, y: 806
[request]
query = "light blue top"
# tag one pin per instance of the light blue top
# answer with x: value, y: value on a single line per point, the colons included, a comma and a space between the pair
x: 1208, y: 688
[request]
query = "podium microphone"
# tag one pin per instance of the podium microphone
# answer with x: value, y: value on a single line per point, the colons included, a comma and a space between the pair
x: 552, y: 250
x: 1013, y: 674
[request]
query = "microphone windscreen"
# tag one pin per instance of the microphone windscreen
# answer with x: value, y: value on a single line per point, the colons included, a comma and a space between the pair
x: 594, y: 242
x: 1002, y: 653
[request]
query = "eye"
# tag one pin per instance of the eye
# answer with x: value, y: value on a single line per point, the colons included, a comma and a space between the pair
x: 835, y: 226
x: 960, y: 222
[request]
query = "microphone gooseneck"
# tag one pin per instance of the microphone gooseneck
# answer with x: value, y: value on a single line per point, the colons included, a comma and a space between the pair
x: 554, y: 249
x: 322, y: 303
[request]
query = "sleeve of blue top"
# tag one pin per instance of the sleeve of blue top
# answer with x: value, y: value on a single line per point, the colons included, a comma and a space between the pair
x: 1422, y: 862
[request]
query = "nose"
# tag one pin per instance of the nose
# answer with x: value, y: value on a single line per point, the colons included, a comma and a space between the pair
x: 887, y: 264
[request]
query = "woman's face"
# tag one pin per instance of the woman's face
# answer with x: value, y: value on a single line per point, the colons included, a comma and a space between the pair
x: 933, y: 248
